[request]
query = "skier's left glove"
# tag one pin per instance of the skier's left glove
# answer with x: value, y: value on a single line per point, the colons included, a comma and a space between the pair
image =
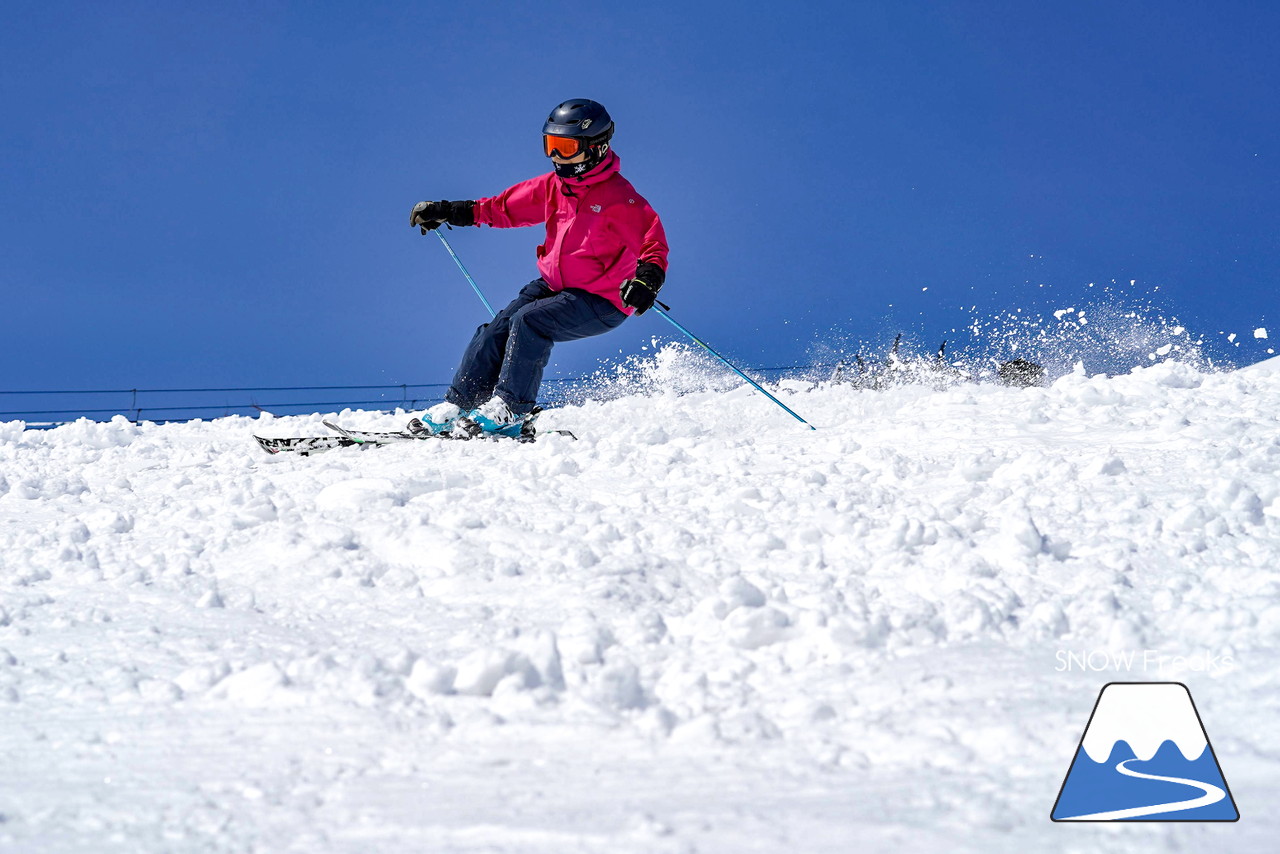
x: 639, y: 293
x: 429, y: 215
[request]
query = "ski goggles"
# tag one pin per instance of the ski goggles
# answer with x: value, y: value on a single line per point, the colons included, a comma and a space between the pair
x: 565, y: 146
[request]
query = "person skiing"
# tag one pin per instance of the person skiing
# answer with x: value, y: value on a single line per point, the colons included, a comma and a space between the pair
x: 604, y: 259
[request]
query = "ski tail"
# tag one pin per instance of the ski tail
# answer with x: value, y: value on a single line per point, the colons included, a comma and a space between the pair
x: 307, y: 445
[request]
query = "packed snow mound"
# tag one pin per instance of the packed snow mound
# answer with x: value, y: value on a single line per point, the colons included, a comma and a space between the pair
x: 699, y: 626
x: 1266, y: 366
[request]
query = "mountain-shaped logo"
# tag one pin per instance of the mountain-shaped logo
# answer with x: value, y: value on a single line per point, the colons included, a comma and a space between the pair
x: 1145, y: 756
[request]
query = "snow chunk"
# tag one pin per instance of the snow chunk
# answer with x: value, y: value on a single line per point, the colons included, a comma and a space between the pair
x: 201, y: 677
x: 1189, y: 517
x: 1260, y: 332
x: 1019, y: 536
x: 360, y: 494
x: 618, y: 686
x: 737, y: 592
x: 210, y: 599
x: 119, y: 432
x: 1171, y: 375
x: 1108, y: 467
x: 583, y: 641
x: 752, y: 628
x: 428, y: 679
x: 480, y: 672
x: 544, y: 654
x: 261, y: 685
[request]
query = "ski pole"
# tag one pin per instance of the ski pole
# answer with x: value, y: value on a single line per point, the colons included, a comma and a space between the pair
x: 458, y: 261
x: 662, y: 309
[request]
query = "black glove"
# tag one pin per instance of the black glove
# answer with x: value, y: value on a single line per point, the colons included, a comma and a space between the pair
x: 639, y: 293
x: 429, y: 215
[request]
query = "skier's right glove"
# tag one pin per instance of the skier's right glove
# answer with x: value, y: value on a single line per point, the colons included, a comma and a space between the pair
x: 641, y: 292
x: 430, y: 215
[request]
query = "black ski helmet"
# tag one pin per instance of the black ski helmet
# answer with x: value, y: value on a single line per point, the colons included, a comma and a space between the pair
x: 581, y: 118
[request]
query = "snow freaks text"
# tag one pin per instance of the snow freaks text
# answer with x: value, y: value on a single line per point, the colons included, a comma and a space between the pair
x: 1142, y: 661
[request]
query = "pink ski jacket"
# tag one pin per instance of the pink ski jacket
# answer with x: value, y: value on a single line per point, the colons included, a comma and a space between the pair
x: 598, y: 228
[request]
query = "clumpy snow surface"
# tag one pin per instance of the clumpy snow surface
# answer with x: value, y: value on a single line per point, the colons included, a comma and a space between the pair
x: 698, y: 628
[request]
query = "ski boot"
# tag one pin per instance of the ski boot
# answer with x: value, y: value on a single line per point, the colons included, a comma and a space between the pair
x: 495, y: 418
x: 440, y: 418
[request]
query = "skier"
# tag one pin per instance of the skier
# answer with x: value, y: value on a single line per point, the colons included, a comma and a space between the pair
x: 604, y: 259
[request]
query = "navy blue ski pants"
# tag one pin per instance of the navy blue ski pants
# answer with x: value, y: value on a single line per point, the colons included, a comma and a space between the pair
x: 508, y: 354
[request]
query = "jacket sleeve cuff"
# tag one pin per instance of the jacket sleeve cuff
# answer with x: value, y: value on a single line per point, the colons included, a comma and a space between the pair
x: 651, y: 274
x: 462, y: 213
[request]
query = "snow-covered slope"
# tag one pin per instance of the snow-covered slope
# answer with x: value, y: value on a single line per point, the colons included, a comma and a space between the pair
x: 700, y: 627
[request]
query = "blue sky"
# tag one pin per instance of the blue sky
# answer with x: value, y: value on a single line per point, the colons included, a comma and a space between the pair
x: 217, y: 194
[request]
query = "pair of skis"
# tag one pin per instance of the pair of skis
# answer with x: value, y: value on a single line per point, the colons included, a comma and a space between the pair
x: 306, y: 445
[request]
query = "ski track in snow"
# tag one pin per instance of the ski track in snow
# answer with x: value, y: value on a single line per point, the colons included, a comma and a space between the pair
x: 700, y: 627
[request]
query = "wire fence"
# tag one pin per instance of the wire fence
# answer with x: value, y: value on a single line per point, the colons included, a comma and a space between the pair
x: 162, y: 405
x: 52, y: 407
x: 180, y: 404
